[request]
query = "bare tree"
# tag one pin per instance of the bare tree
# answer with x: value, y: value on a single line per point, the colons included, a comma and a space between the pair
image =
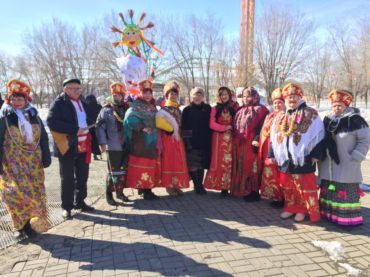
x: 281, y: 45
x: 6, y: 72
x: 317, y: 71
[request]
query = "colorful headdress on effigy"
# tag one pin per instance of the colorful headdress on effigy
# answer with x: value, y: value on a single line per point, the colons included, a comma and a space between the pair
x: 343, y: 96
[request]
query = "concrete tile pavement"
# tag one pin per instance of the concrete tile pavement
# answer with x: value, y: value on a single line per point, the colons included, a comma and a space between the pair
x: 186, y: 236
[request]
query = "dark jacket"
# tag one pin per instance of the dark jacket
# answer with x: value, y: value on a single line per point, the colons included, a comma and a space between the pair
x: 12, y: 119
x: 308, y: 167
x: 195, y: 118
x: 62, y: 118
x: 94, y: 109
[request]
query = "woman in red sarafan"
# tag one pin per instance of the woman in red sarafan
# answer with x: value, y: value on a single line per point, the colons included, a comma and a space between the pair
x: 267, y: 169
x: 174, y: 172
x: 247, y: 126
x: 219, y: 174
x: 141, y: 135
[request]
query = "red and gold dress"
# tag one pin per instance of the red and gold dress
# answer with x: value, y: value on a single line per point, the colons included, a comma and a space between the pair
x: 174, y: 170
x: 247, y: 125
x: 270, y: 183
x: 219, y: 174
x: 144, y: 162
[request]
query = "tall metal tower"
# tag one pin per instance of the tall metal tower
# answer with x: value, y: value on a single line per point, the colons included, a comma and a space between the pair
x: 246, y: 41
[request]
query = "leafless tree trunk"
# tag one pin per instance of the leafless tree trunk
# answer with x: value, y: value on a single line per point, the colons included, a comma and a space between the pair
x: 317, y: 70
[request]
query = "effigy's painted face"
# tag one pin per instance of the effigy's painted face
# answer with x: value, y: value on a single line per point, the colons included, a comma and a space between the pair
x: 131, y: 36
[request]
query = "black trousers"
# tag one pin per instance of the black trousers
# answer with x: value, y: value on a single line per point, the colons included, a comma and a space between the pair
x: 74, y: 173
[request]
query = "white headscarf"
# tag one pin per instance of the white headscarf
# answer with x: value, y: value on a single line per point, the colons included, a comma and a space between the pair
x: 24, y: 125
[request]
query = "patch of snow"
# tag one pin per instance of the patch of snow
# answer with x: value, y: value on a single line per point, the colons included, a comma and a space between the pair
x: 336, y: 253
x: 351, y: 271
x: 333, y: 248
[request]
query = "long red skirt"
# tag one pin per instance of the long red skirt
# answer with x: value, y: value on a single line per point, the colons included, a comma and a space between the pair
x: 143, y: 173
x: 219, y: 174
x: 245, y: 165
x: 301, y: 194
x: 270, y: 182
x: 174, y: 168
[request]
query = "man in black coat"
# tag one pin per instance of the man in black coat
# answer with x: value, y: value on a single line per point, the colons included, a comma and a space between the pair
x: 69, y: 118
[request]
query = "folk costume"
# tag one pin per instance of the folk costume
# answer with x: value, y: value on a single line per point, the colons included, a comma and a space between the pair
x: 141, y: 136
x: 219, y: 174
x: 174, y: 170
x: 247, y: 126
x: 268, y: 170
x: 296, y: 139
x: 197, y: 137
x: 24, y: 153
x: 66, y: 117
x: 110, y: 132
x: 347, y: 142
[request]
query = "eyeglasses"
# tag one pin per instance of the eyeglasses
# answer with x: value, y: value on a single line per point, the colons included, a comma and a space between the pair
x: 75, y: 89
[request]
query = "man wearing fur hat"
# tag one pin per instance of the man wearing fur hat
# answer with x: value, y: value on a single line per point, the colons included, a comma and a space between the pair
x: 109, y: 132
x: 68, y: 120
x: 296, y: 139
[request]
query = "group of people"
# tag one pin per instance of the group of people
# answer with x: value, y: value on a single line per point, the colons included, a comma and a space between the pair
x: 245, y: 150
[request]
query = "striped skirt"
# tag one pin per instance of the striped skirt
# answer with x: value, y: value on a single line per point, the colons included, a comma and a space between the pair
x: 340, y: 203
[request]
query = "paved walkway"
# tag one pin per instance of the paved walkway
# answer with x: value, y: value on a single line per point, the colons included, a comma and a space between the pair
x: 187, y: 236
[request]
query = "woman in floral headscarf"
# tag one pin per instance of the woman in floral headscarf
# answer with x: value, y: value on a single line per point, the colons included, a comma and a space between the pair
x: 247, y: 125
x: 141, y: 135
x: 24, y: 153
x: 219, y: 174
x: 347, y: 142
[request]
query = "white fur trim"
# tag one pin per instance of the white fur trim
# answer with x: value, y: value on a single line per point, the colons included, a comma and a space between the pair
x: 170, y: 119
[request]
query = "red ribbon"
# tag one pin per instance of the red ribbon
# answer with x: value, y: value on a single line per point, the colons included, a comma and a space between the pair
x: 342, y: 194
x: 361, y: 192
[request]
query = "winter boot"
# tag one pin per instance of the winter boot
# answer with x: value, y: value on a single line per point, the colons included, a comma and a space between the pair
x: 109, y: 198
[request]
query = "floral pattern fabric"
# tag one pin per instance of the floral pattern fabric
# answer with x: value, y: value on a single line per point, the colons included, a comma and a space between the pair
x: 219, y: 174
x: 22, y: 183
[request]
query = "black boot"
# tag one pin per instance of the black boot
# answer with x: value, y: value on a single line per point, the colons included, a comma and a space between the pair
x: 29, y: 231
x: 277, y: 204
x: 198, y: 187
x: 200, y: 173
x: 109, y: 198
x: 224, y: 193
x: 252, y: 197
x: 149, y: 195
x: 122, y: 197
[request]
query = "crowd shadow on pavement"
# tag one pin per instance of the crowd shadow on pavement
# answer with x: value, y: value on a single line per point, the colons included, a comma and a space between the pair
x: 255, y: 214
x: 176, y: 227
x: 109, y: 255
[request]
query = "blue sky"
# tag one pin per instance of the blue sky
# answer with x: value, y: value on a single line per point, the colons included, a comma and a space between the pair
x: 18, y: 16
